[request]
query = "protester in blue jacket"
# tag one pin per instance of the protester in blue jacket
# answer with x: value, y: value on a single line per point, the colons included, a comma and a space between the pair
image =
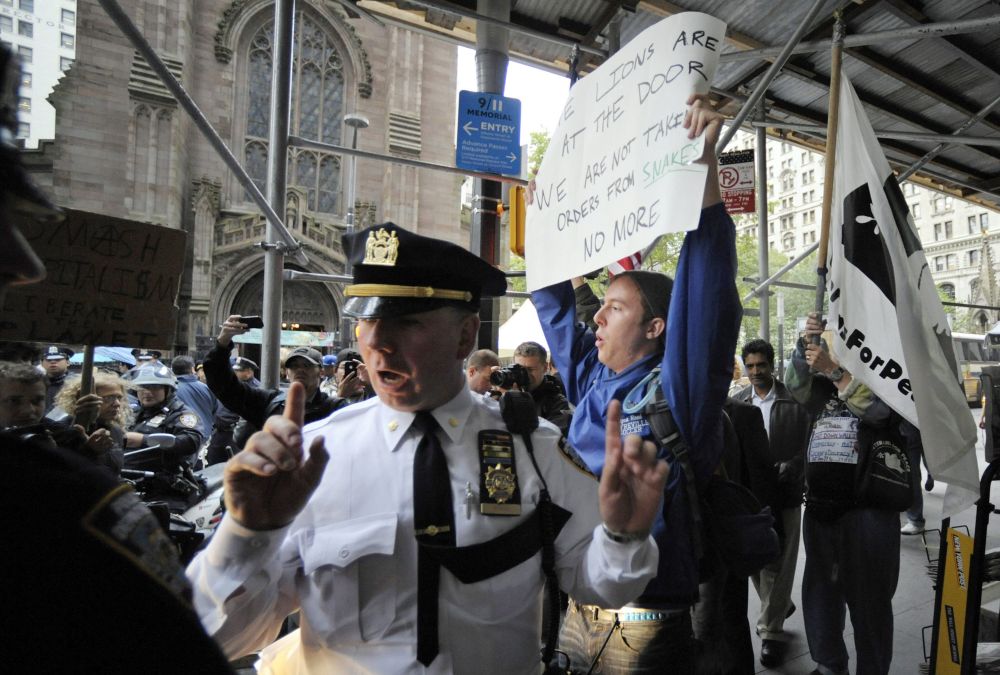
x: 692, y: 344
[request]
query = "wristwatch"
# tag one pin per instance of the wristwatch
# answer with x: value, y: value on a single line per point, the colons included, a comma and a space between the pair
x: 837, y: 374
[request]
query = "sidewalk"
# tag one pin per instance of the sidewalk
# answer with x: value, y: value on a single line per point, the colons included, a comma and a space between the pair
x: 913, y: 604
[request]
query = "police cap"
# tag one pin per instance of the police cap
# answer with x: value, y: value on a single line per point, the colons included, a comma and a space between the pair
x: 243, y: 363
x: 55, y: 352
x: 397, y: 272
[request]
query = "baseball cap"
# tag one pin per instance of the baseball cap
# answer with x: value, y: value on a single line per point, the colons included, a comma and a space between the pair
x: 307, y: 353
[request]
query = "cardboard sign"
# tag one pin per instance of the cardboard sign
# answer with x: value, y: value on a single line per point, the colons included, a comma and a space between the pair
x: 109, y: 281
x: 736, y: 179
x: 619, y: 170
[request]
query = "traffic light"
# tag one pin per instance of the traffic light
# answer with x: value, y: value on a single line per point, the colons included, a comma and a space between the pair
x: 516, y: 220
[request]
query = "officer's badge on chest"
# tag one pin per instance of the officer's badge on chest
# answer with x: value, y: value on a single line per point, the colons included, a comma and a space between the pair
x: 499, y: 493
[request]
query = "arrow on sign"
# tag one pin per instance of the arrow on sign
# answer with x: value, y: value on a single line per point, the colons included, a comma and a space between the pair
x: 469, y: 128
x: 512, y: 157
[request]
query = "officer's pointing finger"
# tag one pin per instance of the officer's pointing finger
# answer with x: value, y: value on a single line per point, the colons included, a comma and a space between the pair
x: 295, y: 404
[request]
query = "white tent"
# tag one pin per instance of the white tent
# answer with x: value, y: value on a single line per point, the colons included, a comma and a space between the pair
x: 522, y: 326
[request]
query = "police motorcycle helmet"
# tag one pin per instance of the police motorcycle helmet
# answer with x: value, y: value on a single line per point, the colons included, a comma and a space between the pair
x: 151, y: 374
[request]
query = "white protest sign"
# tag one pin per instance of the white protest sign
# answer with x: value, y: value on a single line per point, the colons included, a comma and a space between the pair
x: 618, y: 172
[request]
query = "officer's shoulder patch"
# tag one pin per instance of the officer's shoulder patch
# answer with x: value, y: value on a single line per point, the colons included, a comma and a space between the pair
x: 124, y: 524
x: 569, y: 454
x: 189, y: 420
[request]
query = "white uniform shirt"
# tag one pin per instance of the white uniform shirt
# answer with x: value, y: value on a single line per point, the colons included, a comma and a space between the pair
x: 349, y: 559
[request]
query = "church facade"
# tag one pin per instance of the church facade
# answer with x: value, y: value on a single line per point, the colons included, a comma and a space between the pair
x: 123, y: 147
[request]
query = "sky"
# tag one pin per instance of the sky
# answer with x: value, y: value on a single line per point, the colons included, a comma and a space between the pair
x: 542, y: 94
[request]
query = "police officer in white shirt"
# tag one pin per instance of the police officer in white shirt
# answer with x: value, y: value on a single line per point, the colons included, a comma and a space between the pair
x: 343, y: 519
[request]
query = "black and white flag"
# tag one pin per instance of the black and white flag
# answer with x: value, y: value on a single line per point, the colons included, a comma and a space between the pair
x: 890, y: 330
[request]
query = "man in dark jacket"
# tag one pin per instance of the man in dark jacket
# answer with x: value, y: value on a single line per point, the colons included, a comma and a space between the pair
x: 550, y: 402
x: 788, y: 425
x: 256, y: 404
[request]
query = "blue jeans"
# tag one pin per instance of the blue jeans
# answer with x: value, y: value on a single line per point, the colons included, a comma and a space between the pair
x: 641, y: 647
x: 852, y: 563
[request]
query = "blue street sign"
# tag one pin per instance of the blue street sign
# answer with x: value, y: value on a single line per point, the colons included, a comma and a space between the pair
x: 489, y: 133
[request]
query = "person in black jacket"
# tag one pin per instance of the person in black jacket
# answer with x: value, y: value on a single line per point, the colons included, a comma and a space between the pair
x: 550, y: 401
x: 89, y: 581
x: 161, y: 412
x: 788, y: 425
x: 256, y: 404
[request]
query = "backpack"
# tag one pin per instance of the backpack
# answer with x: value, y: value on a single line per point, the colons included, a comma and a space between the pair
x: 728, y: 524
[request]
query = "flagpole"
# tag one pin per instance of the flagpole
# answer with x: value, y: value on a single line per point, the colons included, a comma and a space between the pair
x: 831, y: 160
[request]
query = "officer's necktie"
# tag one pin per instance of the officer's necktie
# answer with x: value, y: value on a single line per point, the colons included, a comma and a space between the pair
x: 433, y: 523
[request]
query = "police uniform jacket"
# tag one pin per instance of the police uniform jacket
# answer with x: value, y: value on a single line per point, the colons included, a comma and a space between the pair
x: 349, y: 560
x: 253, y: 403
x: 170, y: 417
x: 52, y: 387
x: 702, y: 327
x: 89, y: 581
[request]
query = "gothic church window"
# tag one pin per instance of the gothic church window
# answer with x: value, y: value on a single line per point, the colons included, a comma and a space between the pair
x: 316, y: 111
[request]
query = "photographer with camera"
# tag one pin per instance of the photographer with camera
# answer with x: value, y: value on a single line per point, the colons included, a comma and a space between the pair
x: 256, y: 404
x: 352, y: 384
x: 528, y: 373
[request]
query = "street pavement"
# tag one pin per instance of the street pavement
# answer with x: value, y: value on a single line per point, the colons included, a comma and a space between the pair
x: 913, y: 604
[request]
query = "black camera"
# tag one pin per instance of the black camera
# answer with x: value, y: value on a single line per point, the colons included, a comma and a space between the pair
x: 505, y: 378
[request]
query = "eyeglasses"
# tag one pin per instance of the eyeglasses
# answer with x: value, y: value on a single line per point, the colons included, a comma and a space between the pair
x: 113, y: 398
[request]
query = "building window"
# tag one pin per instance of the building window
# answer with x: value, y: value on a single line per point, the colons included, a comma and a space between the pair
x: 786, y: 223
x: 973, y: 227
x: 68, y: 16
x: 785, y: 148
x: 804, y: 158
x: 25, y: 80
x: 809, y: 177
x: 769, y: 153
x: 8, y: 3
x: 942, y: 230
x: 25, y: 54
x: 809, y: 217
x: 973, y: 257
x: 318, y: 108
x: 984, y: 221
x: 942, y: 203
x: 23, y: 129
x: 67, y: 40
x: 948, y: 290
x: 25, y: 29
x: 24, y: 104
x: 939, y: 264
x: 809, y: 237
x: 65, y: 63
x: 26, y: 5
x: 787, y: 182
x: 6, y: 24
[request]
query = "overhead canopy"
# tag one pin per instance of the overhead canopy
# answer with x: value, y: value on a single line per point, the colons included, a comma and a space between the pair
x: 915, y: 89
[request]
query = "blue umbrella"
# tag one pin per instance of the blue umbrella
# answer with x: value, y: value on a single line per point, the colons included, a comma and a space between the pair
x: 107, y: 355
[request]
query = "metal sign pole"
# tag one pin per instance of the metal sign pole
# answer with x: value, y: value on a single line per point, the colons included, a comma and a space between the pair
x: 277, y: 167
